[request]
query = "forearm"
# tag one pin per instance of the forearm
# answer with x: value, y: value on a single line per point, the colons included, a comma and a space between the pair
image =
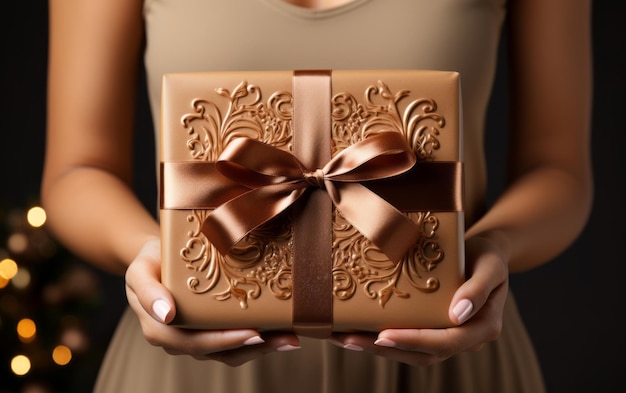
x: 97, y: 216
x: 537, y: 217
x: 94, y: 58
x: 549, y: 194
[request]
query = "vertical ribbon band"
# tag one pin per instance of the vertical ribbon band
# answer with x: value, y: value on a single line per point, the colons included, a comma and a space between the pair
x: 312, y: 228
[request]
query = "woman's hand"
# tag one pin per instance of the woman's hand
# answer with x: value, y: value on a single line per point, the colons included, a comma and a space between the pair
x: 155, y: 308
x: 476, y: 308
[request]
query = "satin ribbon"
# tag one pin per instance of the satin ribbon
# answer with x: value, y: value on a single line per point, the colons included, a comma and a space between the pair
x: 277, y: 179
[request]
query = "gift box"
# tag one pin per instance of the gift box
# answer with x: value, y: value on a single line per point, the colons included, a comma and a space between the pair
x: 312, y: 201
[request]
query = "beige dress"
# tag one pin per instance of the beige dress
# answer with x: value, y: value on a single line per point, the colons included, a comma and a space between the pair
x: 459, y: 35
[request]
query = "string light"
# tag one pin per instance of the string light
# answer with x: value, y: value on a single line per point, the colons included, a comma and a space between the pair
x: 61, y: 355
x: 17, y: 243
x: 26, y: 330
x: 25, y: 290
x: 21, y: 279
x: 36, y: 216
x: 20, y: 365
x: 8, y: 268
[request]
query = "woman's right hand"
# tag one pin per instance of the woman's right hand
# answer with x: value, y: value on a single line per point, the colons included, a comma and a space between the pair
x: 155, y: 308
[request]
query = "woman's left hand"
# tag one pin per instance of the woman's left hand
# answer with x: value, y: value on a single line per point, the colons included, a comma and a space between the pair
x: 476, y: 308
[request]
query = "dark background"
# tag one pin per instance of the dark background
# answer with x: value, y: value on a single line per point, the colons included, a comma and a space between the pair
x: 573, y: 306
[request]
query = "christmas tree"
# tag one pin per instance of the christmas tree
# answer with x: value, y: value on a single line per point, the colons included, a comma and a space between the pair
x: 56, y: 312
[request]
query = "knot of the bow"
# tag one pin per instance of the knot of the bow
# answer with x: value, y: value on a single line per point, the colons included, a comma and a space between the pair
x: 277, y: 179
x: 315, y: 178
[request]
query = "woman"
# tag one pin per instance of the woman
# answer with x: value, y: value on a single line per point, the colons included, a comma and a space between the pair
x: 96, y: 49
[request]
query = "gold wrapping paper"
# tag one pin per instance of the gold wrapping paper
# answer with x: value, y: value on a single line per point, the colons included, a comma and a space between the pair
x: 312, y: 201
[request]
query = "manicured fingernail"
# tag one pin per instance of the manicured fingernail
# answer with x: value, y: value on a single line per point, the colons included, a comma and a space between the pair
x: 352, y: 347
x: 385, y: 342
x: 287, y: 347
x: 462, y: 310
x: 254, y: 340
x: 161, y: 308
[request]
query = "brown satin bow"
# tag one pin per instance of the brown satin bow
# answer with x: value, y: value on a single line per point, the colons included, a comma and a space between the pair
x: 277, y: 179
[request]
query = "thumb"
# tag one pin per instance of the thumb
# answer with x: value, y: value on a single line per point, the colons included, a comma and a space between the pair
x: 143, y: 284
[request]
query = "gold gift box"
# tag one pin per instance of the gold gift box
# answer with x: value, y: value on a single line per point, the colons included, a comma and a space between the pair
x: 312, y: 201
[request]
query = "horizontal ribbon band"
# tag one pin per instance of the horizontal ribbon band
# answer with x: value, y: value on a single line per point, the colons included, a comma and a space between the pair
x: 428, y: 186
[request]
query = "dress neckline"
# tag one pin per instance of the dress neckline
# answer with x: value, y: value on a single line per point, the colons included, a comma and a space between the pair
x: 309, y: 13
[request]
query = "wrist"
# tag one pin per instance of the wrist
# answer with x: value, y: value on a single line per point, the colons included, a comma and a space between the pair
x: 499, y: 242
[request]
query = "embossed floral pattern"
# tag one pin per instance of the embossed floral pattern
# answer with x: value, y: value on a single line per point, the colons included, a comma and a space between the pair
x: 263, y: 260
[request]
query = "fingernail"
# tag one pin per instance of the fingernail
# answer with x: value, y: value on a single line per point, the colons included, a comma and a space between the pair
x: 385, y: 342
x: 287, y: 347
x: 352, y: 347
x: 462, y: 310
x: 161, y: 308
x: 254, y: 340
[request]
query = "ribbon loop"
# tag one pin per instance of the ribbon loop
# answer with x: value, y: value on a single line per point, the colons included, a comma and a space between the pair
x: 277, y: 179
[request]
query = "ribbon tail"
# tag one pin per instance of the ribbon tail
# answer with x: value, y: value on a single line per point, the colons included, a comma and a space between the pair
x: 232, y: 221
x: 387, y: 227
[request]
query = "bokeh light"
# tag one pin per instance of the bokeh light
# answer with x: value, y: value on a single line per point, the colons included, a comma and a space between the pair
x: 26, y: 330
x: 61, y: 355
x: 8, y: 268
x: 75, y: 339
x: 21, y: 279
x: 36, y: 216
x: 20, y: 365
x: 17, y: 243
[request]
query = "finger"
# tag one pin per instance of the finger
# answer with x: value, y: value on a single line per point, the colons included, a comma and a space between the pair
x: 485, y: 326
x: 180, y: 341
x: 273, y: 343
x: 430, y: 346
x: 359, y: 342
x: 352, y: 342
x: 422, y: 347
x: 197, y: 343
x: 488, y: 271
x: 143, y: 279
x: 176, y: 341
